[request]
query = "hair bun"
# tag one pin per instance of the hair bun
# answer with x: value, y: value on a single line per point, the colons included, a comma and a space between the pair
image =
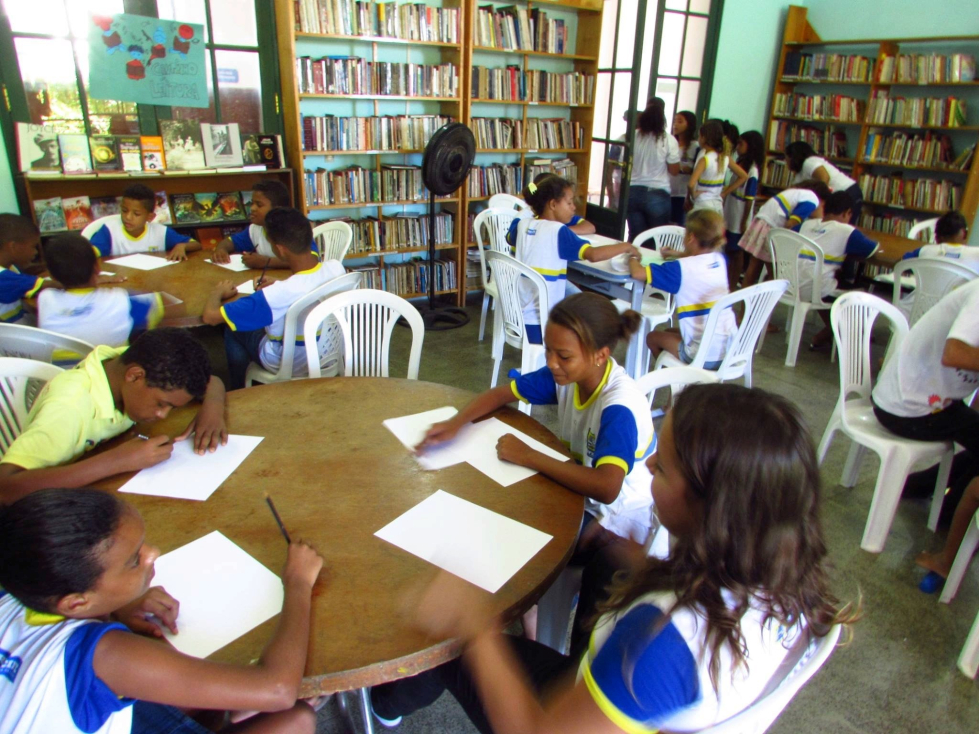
x: 629, y: 323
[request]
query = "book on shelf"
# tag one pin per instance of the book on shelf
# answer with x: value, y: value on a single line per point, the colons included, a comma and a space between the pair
x: 78, y: 211
x: 963, y: 160
x: 162, y: 209
x: 207, y: 207
x: 229, y: 202
x: 777, y: 174
x: 246, y: 201
x: 37, y: 147
x: 497, y: 133
x: 928, y: 150
x: 76, y: 156
x: 400, y: 132
x: 402, y: 183
x: 270, y: 150
x: 514, y: 28
x: 251, y: 154
x: 222, y: 144
x: 886, y: 222
x: 352, y: 185
x: 49, y: 214
x: 152, y: 153
x: 105, y: 206
x: 496, y: 178
x: 927, y: 68
x: 917, y: 111
x: 555, y: 133
x: 409, y: 22
x: 826, y: 141
x: 185, y: 209
x: 827, y: 67
x: 183, y: 145
x: 411, y: 278
x: 105, y: 154
x: 513, y: 85
x: 837, y: 107
x: 357, y: 76
x: 919, y: 194
x: 130, y: 153
x: 370, y: 276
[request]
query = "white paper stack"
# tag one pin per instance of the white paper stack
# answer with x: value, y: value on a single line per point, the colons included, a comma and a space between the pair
x: 142, y: 262
x: 236, y: 264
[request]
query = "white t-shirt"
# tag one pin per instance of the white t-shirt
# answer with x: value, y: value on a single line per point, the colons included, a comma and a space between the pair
x: 254, y: 240
x: 961, y: 254
x: 47, y: 682
x: 651, y: 158
x: 98, y: 315
x: 739, y: 200
x: 613, y: 426
x: 838, y: 181
x: 688, y: 156
x: 113, y: 239
x: 788, y: 209
x: 914, y: 383
x: 711, y: 182
x: 837, y: 240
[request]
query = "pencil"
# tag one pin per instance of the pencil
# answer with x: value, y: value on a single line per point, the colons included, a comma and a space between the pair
x: 275, y: 514
x: 261, y: 278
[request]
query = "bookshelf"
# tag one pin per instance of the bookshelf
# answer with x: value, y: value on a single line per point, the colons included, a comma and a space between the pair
x: 893, y: 117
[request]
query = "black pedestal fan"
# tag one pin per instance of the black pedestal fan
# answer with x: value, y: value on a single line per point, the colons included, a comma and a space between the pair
x: 445, y: 165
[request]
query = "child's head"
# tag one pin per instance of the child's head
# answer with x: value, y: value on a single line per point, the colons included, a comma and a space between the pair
x: 138, y: 207
x: 72, y: 261
x: 551, y: 197
x: 819, y: 188
x: 684, y: 126
x: 78, y: 553
x: 19, y: 239
x: 796, y: 154
x: 838, y: 207
x: 751, y: 150
x: 582, y: 330
x: 731, y: 132
x: 652, y: 120
x: 289, y: 230
x: 712, y: 135
x: 951, y: 228
x: 704, y: 231
x: 267, y: 194
x: 164, y: 369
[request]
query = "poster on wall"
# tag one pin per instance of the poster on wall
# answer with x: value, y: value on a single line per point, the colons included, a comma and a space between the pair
x: 134, y: 58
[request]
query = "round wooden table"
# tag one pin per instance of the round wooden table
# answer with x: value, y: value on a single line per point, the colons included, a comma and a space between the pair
x: 191, y: 281
x: 337, y: 476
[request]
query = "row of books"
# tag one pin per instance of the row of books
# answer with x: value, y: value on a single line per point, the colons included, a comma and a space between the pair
x: 828, y: 141
x: 887, y: 223
x: 926, y: 149
x: 402, y: 132
x: 411, y: 278
x: 921, y: 193
x: 777, y: 174
x: 927, y: 68
x: 827, y: 67
x: 403, y: 231
x: 565, y: 168
x: 933, y: 111
x: 499, y: 178
x: 354, y: 75
x: 370, y: 276
x: 182, y: 146
x: 358, y: 185
x: 536, y: 134
x: 515, y: 28
x: 409, y: 22
x: 514, y: 84
x: 819, y: 106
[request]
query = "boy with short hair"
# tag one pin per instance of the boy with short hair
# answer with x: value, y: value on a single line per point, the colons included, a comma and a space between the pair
x: 137, y: 232
x: 257, y: 251
x: 951, y: 233
x: 96, y: 315
x: 256, y: 324
x: 19, y: 239
x: 109, y: 391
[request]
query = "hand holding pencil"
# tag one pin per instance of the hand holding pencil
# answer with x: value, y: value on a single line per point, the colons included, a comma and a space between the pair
x: 304, y: 562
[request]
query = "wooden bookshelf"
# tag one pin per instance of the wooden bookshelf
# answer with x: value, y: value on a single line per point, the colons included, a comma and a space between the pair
x: 800, y: 36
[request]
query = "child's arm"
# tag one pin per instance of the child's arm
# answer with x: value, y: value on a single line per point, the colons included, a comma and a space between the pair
x: 607, y: 252
x: 208, y: 426
x: 740, y: 176
x: 698, y: 171
x: 638, y: 271
x: 582, y: 226
x: 261, y: 262
x: 601, y: 483
x: 960, y: 355
x: 135, y: 667
x: 178, y: 245
x: 481, y: 405
x: 212, y: 306
x: 222, y: 251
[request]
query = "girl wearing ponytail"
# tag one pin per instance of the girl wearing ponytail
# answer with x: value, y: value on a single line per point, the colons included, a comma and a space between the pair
x: 706, y: 189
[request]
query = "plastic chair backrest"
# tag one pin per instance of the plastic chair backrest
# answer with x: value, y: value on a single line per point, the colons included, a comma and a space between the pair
x: 20, y: 382
x: 367, y: 318
x: 669, y: 237
x: 934, y: 279
x: 676, y: 378
x: 924, y: 230
x: 507, y: 273
x: 788, y: 249
x: 508, y: 201
x: 852, y: 318
x: 799, y: 666
x: 333, y: 240
x: 302, y: 308
x: 495, y: 224
x: 28, y: 342
x: 91, y: 229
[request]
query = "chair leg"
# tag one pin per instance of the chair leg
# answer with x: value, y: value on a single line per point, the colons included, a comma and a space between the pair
x: 366, y: 710
x: 556, y: 608
x: 827, y: 439
x: 962, y: 558
x: 852, y: 466
x: 482, y: 316
x: 890, y: 480
x: 969, y: 658
x: 795, y: 335
x: 496, y: 372
x: 941, y: 484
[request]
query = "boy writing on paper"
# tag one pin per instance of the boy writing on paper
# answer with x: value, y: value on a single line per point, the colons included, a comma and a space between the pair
x: 257, y: 249
x: 137, y: 232
x: 109, y: 391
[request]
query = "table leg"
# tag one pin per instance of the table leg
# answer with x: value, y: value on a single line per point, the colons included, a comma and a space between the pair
x: 365, y: 707
x: 348, y: 703
x: 633, y: 355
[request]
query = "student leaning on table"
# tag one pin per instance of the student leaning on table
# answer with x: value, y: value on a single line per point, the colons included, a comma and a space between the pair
x: 75, y: 569
x: 951, y: 234
x: 19, y: 240
x: 137, y: 232
x: 102, y: 397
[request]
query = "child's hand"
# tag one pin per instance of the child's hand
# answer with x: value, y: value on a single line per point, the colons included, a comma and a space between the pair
x: 154, y: 603
x: 449, y: 607
x: 208, y: 428
x: 512, y: 449
x: 687, y: 205
x: 140, y: 453
x: 178, y: 253
x: 636, y: 270
x: 438, y: 433
x: 263, y: 282
x: 220, y: 255
x: 303, y: 565
x: 254, y: 260
x: 226, y: 289
x: 111, y: 279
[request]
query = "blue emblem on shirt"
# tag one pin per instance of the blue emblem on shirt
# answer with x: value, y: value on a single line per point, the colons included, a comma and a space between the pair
x: 9, y: 665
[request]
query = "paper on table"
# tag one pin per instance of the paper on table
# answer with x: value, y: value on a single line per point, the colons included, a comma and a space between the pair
x: 142, y: 262
x: 246, y: 288
x: 411, y: 429
x: 479, y: 450
x: 236, y: 264
x: 469, y: 541
x: 600, y: 240
x: 187, y: 476
x: 223, y: 593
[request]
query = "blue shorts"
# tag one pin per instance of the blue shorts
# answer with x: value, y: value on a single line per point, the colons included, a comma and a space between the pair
x: 155, y: 718
x: 687, y: 359
x: 732, y: 248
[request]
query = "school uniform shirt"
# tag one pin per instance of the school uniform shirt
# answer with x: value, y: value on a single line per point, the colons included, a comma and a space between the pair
x: 838, y: 181
x: 688, y: 157
x: 914, y: 383
x: 113, y: 239
x: 612, y: 427
x: 789, y: 209
x: 266, y: 309
x: 72, y: 414
x: 698, y: 282
x: 546, y: 247
x: 740, y: 200
x: 255, y: 239
x: 14, y: 286
x: 650, y: 160
x: 48, y: 684
x: 961, y: 254
x: 711, y: 183
x: 837, y: 240
x: 648, y: 669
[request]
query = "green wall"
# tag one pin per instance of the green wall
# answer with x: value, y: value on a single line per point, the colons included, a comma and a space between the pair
x: 8, y: 199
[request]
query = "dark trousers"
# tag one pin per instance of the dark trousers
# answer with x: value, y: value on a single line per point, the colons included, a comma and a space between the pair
x: 241, y: 348
x: 647, y: 208
x: 677, y: 213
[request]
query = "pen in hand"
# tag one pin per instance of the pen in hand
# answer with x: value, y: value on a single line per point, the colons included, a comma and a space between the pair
x: 261, y: 278
x: 275, y: 514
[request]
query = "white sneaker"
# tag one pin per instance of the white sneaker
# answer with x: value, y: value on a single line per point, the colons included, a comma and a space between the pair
x: 386, y: 723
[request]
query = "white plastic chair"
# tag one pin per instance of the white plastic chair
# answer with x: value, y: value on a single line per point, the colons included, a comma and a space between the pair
x: 969, y: 657
x: 296, y: 314
x: 799, y: 666
x: 924, y: 231
x: 29, y: 342
x: 509, y: 201
x: 367, y: 318
x: 495, y: 224
x: 667, y: 237
x: 333, y: 240
x: 787, y: 247
x: 759, y: 302
x: 676, y: 378
x: 933, y: 279
x: 508, y: 325
x: 20, y: 382
x: 91, y: 229
x: 852, y: 318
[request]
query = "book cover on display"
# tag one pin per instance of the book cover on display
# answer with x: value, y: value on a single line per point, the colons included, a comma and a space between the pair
x: 78, y: 211
x: 105, y: 153
x: 49, y: 215
x: 185, y: 209
x: 231, y: 206
x: 75, y: 154
x: 130, y: 153
x: 182, y: 144
x: 222, y: 145
x: 37, y: 147
x: 162, y: 210
x: 207, y: 207
x: 152, y: 153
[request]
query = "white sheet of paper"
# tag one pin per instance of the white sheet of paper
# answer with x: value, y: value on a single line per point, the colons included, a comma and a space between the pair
x: 469, y: 541
x: 223, y: 593
x: 411, y: 429
x: 142, y: 262
x: 187, y: 476
x: 246, y: 288
x: 600, y: 240
x: 479, y: 450
x: 236, y: 264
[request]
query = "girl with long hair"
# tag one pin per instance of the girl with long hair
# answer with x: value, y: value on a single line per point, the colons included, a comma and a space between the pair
x: 685, y: 132
x: 739, y: 206
x: 706, y: 187
x: 656, y: 158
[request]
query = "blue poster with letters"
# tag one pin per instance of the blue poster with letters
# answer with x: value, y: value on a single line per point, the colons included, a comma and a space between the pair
x: 134, y: 58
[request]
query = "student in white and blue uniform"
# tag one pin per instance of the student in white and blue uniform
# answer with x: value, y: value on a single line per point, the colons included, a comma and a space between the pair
x: 19, y: 240
x: 951, y: 234
x: 807, y: 165
x: 135, y: 231
x: 706, y: 185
